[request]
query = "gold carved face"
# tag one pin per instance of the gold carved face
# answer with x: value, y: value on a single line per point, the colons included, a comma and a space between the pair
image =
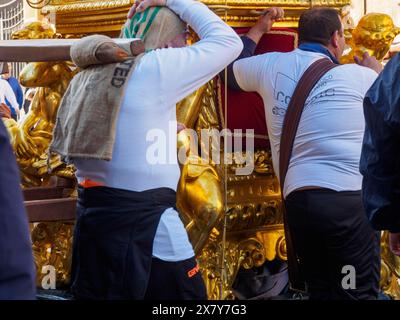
x: 376, y: 32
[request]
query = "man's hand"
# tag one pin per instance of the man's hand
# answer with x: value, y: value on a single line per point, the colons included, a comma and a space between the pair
x: 369, y: 62
x: 394, y: 243
x: 267, y: 20
x: 141, y: 5
x: 110, y: 53
x: 265, y: 23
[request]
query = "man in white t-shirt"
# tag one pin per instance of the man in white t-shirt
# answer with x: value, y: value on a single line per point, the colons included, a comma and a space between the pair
x: 322, y: 187
x: 129, y: 240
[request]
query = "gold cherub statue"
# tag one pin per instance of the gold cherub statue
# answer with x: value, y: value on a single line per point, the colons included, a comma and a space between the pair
x: 31, y: 137
x: 374, y: 34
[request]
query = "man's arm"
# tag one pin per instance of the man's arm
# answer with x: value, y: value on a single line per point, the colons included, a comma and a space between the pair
x: 184, y: 70
x: 250, y: 42
x: 249, y: 47
x: 380, y: 158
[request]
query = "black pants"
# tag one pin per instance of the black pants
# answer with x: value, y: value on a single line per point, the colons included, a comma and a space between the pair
x: 179, y: 280
x: 330, y: 232
x: 113, y: 245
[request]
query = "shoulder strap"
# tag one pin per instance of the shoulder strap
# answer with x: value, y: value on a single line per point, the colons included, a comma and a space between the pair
x: 291, y: 122
x: 295, y: 109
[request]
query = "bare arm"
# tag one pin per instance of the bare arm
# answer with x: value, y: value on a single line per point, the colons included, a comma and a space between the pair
x: 265, y: 23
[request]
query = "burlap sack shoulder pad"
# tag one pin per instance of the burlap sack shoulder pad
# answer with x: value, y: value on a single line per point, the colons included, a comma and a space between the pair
x: 83, y: 52
x: 86, y: 119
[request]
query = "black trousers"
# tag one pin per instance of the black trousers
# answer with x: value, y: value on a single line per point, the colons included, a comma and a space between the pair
x: 179, y: 280
x: 332, y: 237
x: 113, y: 245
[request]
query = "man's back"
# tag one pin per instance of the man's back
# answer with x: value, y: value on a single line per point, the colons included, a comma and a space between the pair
x: 331, y: 128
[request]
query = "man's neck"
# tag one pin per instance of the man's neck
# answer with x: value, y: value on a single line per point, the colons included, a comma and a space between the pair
x: 332, y: 51
x: 320, y: 48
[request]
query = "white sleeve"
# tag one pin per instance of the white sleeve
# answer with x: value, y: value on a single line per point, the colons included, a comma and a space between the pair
x: 184, y: 70
x: 248, y: 72
x: 10, y: 96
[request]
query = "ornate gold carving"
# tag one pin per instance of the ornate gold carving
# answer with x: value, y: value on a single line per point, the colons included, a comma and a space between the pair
x: 37, y: 4
x: 31, y: 137
x: 188, y: 109
x: 75, y: 18
x: 200, y: 201
x: 83, y: 6
x: 106, y: 16
x: 52, y: 246
x: 250, y: 216
x: 253, y: 252
x: 200, y: 191
x: 219, y: 270
x: 246, y: 252
x: 390, y: 272
x: 374, y: 34
x: 273, y: 239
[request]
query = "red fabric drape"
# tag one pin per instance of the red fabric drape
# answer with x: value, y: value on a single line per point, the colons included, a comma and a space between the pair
x: 246, y: 110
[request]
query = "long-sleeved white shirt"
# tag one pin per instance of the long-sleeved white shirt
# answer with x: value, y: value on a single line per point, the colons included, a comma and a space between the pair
x: 6, y: 92
x: 162, y: 78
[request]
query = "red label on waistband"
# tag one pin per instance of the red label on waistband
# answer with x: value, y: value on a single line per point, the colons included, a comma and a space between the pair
x: 194, y: 271
x: 87, y: 183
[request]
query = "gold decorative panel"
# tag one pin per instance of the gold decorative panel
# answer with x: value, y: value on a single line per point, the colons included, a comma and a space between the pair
x: 245, y: 13
x: 76, y: 18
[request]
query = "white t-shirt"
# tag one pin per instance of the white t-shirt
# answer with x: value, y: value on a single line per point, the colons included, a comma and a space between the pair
x: 327, y: 148
x: 147, y: 117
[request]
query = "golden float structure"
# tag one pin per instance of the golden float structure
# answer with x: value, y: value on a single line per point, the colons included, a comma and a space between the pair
x: 233, y: 221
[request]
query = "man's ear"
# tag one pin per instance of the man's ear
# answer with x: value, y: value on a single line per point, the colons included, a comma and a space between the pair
x: 335, y: 39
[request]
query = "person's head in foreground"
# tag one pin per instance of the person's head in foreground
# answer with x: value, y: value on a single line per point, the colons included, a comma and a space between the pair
x: 158, y: 27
